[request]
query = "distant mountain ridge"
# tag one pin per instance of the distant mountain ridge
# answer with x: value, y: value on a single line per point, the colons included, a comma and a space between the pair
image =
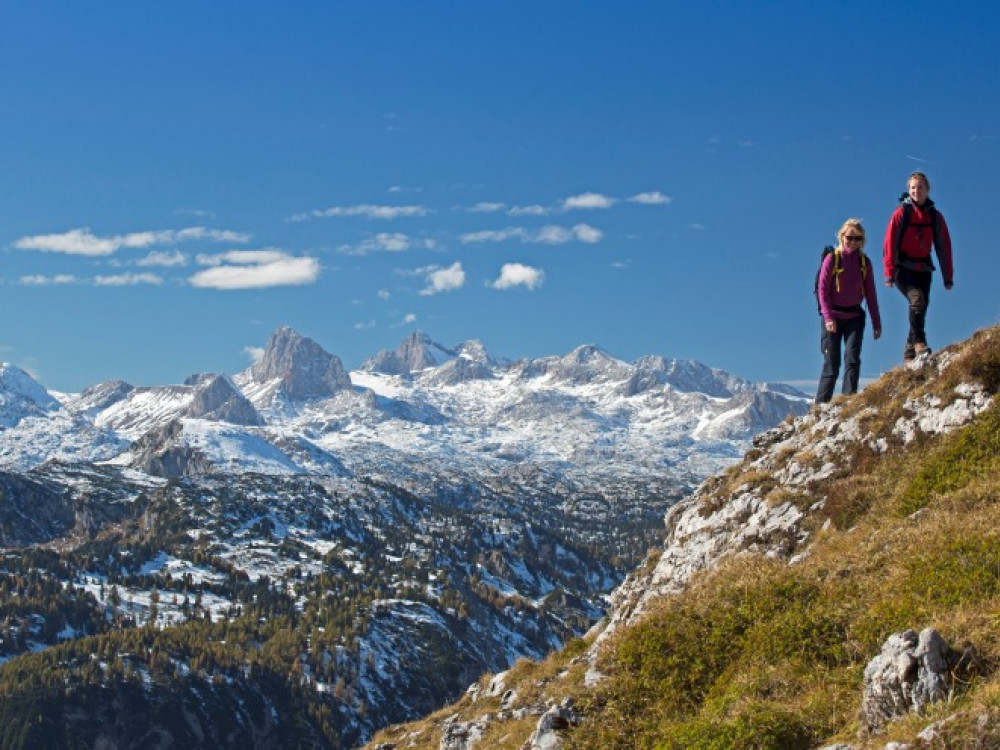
x: 298, y: 388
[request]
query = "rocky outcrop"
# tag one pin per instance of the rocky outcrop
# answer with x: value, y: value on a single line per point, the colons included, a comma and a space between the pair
x: 217, y: 399
x: 547, y: 735
x: 162, y: 454
x: 912, y: 672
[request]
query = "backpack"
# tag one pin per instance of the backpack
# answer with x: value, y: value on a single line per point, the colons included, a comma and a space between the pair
x: 836, y: 271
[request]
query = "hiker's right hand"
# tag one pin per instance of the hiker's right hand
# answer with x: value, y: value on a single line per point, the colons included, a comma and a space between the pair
x: 831, y: 326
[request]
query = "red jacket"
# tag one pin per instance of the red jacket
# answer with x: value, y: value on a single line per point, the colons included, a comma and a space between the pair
x: 913, y: 249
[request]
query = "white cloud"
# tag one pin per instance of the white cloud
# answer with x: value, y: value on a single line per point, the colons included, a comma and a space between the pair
x: 408, y: 319
x: 551, y: 234
x: 364, y: 325
x: 256, y: 269
x: 588, y: 200
x: 367, y: 210
x: 383, y: 294
x: 164, y: 258
x: 530, y: 211
x: 40, y: 280
x: 653, y: 198
x: 484, y: 207
x: 83, y: 242
x: 587, y: 233
x: 442, y: 279
x: 518, y: 274
x: 393, y: 242
x: 255, y: 353
x: 128, y: 279
x: 491, y: 235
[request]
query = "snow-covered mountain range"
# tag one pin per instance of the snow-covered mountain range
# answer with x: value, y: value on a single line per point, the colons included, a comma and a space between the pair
x: 420, y: 410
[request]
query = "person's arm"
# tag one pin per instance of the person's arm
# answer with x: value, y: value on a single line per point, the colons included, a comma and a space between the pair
x: 889, y: 250
x: 823, y: 292
x: 871, y: 300
x: 942, y: 248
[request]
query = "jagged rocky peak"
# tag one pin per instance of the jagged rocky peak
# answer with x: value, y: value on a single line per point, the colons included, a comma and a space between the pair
x: 217, y: 398
x: 588, y: 364
x: 415, y: 353
x: 687, y: 376
x: 304, y: 368
x: 102, y: 395
x: 471, y: 362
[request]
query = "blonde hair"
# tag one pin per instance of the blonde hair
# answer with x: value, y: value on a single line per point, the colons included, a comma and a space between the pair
x: 850, y: 224
x: 919, y: 176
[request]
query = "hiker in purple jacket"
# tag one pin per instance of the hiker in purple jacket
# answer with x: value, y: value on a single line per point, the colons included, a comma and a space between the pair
x: 846, y: 278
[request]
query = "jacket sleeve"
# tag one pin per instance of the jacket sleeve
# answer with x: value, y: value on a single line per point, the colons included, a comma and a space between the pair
x: 871, y: 299
x: 890, y: 252
x: 942, y: 248
x: 823, y: 288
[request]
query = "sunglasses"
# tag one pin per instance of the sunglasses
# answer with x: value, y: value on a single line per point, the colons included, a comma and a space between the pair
x: 854, y: 237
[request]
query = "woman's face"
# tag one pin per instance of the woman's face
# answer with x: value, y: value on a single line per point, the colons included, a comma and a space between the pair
x: 852, y: 238
x: 918, y: 191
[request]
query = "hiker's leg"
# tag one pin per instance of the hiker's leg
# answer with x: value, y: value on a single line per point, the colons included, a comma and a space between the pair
x: 829, y: 344
x: 915, y: 286
x: 854, y: 330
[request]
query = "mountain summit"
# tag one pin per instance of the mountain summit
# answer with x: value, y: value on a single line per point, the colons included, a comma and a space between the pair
x: 300, y: 367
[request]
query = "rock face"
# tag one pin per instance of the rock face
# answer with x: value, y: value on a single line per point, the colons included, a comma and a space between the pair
x: 218, y: 399
x: 414, y: 353
x: 911, y: 673
x: 304, y: 369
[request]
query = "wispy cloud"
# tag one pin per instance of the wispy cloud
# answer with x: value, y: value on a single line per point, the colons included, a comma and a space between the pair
x: 588, y: 201
x: 366, y: 210
x: 918, y: 159
x: 485, y: 207
x: 551, y: 234
x: 530, y: 211
x: 128, y: 279
x: 255, y: 353
x: 392, y: 242
x: 164, y: 258
x: 653, y: 198
x: 518, y: 274
x: 83, y: 242
x: 442, y: 279
x: 40, y: 280
x: 254, y: 269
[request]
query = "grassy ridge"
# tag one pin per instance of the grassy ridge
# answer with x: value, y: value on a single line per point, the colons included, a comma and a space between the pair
x: 761, y: 654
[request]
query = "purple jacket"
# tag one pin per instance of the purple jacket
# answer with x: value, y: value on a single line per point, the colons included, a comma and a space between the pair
x: 852, y: 288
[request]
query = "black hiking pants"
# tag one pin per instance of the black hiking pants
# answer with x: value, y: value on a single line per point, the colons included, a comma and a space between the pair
x: 847, y: 336
x: 916, y: 287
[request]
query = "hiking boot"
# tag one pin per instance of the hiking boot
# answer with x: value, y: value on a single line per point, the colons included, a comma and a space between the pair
x: 920, y: 348
x: 909, y: 352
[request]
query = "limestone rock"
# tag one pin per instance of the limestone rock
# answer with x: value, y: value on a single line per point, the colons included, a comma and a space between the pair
x: 910, y: 673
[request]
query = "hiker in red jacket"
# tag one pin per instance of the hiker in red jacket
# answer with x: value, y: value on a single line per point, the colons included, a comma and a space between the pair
x: 906, y: 255
x: 846, y: 278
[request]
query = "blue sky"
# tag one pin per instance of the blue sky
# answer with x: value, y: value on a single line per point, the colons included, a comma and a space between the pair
x: 178, y: 179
